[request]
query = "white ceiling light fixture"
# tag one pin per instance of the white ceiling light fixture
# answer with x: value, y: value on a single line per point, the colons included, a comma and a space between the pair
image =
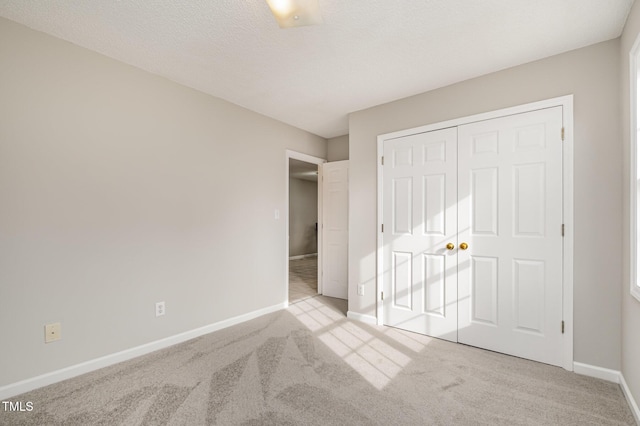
x: 295, y: 13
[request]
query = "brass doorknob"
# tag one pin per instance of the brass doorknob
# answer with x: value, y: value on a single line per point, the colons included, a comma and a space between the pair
x: 450, y: 246
x: 464, y: 246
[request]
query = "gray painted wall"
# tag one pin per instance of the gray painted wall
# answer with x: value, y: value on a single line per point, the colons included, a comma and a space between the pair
x: 120, y: 189
x: 630, y: 306
x: 592, y: 74
x: 338, y: 148
x: 303, y: 215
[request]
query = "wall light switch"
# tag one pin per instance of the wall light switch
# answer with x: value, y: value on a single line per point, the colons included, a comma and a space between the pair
x: 276, y: 214
x: 52, y: 332
x: 361, y: 290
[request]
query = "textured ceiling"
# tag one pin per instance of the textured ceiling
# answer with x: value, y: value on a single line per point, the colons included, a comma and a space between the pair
x: 366, y: 53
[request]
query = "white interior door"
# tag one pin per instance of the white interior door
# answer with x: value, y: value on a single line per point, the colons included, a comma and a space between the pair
x: 420, y: 199
x: 510, y: 215
x: 335, y: 228
x: 494, y: 190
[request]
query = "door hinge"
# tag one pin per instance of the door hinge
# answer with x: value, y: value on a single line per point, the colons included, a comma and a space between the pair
x: 382, y: 160
x: 382, y: 295
x: 562, y: 134
x: 563, y: 229
x: 562, y: 327
x: 382, y: 228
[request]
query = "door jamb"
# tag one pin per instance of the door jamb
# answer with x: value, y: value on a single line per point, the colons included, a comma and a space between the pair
x: 567, y: 203
x: 314, y: 160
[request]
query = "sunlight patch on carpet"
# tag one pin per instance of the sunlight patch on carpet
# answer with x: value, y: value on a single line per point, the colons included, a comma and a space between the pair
x: 376, y: 361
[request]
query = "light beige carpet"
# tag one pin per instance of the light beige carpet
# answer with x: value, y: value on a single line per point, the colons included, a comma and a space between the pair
x: 309, y: 365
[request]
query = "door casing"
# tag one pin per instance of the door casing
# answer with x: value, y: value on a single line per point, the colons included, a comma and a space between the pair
x: 567, y: 203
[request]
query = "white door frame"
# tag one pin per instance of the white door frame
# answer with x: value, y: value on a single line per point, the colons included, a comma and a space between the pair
x: 567, y: 208
x: 308, y: 159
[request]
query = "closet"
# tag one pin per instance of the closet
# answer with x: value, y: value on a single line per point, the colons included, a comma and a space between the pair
x: 472, y: 238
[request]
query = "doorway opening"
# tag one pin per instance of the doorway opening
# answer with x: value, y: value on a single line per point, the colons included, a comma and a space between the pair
x: 304, y: 222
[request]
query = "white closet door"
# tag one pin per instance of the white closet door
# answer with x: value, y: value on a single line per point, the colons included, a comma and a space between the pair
x: 419, y: 196
x: 510, y: 216
x: 335, y: 237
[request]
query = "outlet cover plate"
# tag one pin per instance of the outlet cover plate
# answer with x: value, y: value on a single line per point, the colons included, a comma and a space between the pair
x: 160, y: 310
x: 52, y: 332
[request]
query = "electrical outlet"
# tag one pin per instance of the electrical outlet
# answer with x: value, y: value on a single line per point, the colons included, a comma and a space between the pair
x: 52, y: 332
x: 361, y: 290
x: 160, y: 309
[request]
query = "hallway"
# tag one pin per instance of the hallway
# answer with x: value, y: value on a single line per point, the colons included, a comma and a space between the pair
x: 303, y: 279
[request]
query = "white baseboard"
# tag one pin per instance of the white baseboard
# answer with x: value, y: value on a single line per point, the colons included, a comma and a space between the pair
x: 303, y: 256
x: 105, y: 361
x: 630, y: 400
x: 611, y: 376
x: 369, y: 319
x: 597, y: 372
